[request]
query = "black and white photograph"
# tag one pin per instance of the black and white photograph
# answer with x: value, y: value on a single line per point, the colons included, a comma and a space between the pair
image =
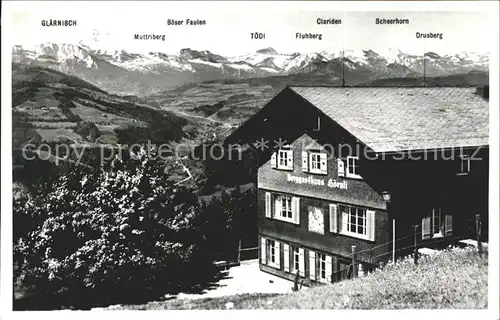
x: 233, y: 155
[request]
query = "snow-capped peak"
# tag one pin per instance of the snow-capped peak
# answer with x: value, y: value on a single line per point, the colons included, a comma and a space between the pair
x: 155, y: 62
x: 60, y: 52
x: 268, y: 50
x: 201, y: 65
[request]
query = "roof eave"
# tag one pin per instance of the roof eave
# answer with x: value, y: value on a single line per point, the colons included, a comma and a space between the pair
x: 416, y: 151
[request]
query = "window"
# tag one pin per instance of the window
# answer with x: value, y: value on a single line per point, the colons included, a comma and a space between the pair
x: 296, y: 259
x: 464, y: 165
x: 314, y: 162
x: 352, y: 221
x: 322, y: 266
x: 282, y: 159
x: 353, y: 167
x: 297, y: 264
x: 286, y: 206
x: 282, y: 207
x: 437, y: 224
x: 272, y: 251
x: 356, y: 220
x: 317, y: 162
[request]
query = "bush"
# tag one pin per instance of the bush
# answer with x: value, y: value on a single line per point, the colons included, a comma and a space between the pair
x: 64, y: 102
x: 88, y: 130
x: 118, y: 235
x: 65, y: 105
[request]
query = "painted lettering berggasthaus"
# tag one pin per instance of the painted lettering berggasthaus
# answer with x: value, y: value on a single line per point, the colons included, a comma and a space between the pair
x: 331, y: 183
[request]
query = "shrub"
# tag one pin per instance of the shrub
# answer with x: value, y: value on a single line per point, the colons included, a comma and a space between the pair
x: 64, y: 102
x: 65, y: 105
x: 115, y: 235
x: 88, y: 130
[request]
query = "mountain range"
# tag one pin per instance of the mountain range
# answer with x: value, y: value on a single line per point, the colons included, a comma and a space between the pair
x: 126, y: 73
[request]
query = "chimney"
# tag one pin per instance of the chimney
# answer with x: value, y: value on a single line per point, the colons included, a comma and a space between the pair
x: 483, y: 91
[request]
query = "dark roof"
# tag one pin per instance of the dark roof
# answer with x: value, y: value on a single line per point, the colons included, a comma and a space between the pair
x: 401, y: 118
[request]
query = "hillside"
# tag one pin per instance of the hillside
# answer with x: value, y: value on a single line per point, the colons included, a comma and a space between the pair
x: 51, y: 106
x: 457, y: 278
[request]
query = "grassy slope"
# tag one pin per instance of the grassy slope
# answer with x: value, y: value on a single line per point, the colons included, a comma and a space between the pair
x: 452, y: 279
x: 36, y: 97
x: 449, y: 280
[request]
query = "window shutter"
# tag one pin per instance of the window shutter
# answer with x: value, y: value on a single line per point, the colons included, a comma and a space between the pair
x: 273, y: 160
x: 268, y: 205
x: 329, y: 268
x: 448, y: 225
x: 263, y: 250
x: 305, y: 162
x: 312, y: 265
x: 296, y: 210
x: 370, y: 219
x: 333, y: 217
x: 286, y: 258
x: 289, y: 162
x: 277, y: 250
x: 344, y: 221
x: 426, y: 228
x: 323, y: 161
x: 277, y: 206
x: 302, y: 267
x: 340, y: 168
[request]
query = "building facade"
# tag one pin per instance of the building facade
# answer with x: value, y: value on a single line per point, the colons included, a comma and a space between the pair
x: 363, y: 167
x: 313, y: 207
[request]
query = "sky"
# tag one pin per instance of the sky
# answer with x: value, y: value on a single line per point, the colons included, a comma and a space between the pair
x: 111, y: 26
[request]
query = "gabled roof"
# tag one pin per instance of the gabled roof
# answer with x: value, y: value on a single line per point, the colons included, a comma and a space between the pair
x: 390, y: 119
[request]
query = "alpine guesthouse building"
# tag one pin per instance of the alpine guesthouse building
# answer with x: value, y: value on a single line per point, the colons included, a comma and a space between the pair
x: 363, y: 166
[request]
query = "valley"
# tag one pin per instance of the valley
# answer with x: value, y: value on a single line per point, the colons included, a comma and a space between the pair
x: 54, y: 101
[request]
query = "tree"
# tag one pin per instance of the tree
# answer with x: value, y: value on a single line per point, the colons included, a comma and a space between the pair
x: 115, y: 235
x: 88, y: 130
